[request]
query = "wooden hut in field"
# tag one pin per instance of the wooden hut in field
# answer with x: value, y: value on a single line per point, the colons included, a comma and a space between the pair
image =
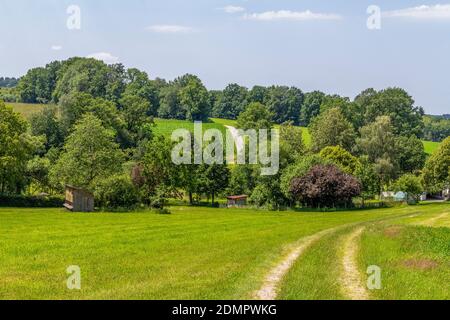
x: 78, y: 200
x: 237, y: 201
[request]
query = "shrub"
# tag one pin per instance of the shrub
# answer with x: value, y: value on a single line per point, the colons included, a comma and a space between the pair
x: 22, y: 201
x: 410, y: 184
x: 341, y: 158
x: 325, y: 186
x: 116, y: 192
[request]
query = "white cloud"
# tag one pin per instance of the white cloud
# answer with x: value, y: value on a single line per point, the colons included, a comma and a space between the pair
x: 291, y: 16
x: 170, y: 29
x: 439, y: 11
x: 56, y: 47
x: 233, y: 9
x: 106, y: 57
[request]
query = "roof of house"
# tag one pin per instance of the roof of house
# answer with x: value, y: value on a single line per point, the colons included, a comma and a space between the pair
x: 241, y: 197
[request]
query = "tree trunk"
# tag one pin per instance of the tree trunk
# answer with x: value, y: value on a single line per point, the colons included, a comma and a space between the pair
x: 213, y: 198
x: 191, y: 200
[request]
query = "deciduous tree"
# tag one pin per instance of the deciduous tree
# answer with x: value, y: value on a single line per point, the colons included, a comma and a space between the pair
x: 89, y: 154
x: 331, y: 128
x: 325, y: 186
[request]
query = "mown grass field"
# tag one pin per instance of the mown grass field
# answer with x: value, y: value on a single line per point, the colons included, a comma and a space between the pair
x: 412, y: 254
x: 431, y: 146
x: 166, y: 127
x: 194, y: 253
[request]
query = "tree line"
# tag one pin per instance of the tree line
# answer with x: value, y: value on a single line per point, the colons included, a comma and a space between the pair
x: 99, y: 135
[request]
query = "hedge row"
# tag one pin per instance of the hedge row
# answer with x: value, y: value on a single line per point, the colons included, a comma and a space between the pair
x: 31, y: 201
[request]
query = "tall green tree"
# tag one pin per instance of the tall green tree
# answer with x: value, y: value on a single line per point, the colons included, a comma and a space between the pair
x: 378, y: 140
x: 16, y: 148
x: 379, y: 143
x: 37, y: 172
x: 213, y: 179
x: 311, y: 107
x: 410, y: 153
x: 285, y: 103
x: 436, y: 174
x: 137, y: 121
x: 46, y: 123
x: 292, y: 146
x: 85, y: 75
x: 257, y: 94
x: 90, y: 154
x: 159, y: 174
x: 170, y: 105
x: 407, y: 119
x: 256, y: 116
x: 231, y: 103
x: 38, y: 84
x: 367, y: 175
x: 73, y: 106
x: 331, y: 128
x: 139, y: 85
x: 194, y: 98
x: 410, y: 184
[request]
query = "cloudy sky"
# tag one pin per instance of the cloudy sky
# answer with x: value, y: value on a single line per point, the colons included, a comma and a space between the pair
x: 312, y: 44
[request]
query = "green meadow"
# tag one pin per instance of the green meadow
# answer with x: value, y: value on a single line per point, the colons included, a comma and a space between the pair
x: 414, y: 259
x: 431, y: 146
x: 26, y: 109
x: 206, y: 253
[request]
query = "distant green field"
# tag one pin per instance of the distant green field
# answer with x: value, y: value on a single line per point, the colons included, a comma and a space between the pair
x: 166, y: 127
x: 26, y: 109
x: 430, y: 146
x: 227, y: 122
x: 306, y: 136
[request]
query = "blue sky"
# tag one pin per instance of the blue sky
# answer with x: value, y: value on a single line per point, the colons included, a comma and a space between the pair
x: 323, y: 45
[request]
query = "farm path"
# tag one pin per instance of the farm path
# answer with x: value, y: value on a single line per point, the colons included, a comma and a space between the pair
x: 269, y: 289
x: 351, y: 278
x: 237, y: 138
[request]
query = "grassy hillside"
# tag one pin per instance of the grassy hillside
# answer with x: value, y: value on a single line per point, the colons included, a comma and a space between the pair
x: 226, y: 122
x: 194, y: 253
x: 431, y: 146
x: 26, y: 109
x: 165, y: 127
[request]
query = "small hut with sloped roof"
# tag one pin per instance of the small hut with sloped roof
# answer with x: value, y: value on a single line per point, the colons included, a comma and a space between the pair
x: 79, y: 200
x: 237, y: 201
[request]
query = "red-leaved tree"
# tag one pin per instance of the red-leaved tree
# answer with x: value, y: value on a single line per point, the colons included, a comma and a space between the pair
x: 325, y: 186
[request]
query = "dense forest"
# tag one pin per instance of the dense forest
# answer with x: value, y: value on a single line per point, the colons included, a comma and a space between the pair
x: 96, y: 133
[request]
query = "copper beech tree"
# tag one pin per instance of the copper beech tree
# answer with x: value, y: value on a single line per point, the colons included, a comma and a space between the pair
x: 325, y: 186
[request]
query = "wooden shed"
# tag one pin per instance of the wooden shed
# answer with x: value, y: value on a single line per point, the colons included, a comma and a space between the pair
x: 78, y: 200
x: 237, y: 201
